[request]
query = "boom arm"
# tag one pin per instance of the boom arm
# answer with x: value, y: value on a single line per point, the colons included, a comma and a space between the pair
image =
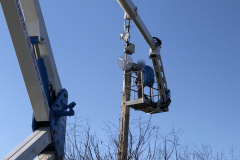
x: 36, y: 28
x: 26, y: 58
x: 35, y: 57
x: 21, y: 28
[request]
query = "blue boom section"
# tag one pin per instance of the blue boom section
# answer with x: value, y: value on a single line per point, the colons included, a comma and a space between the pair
x: 44, y: 76
x: 148, y: 76
x: 43, y: 72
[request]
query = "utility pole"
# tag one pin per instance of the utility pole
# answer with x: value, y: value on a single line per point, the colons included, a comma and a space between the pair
x: 124, y: 126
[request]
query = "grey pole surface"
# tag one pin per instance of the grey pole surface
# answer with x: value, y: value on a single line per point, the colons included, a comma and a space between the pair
x: 124, y: 125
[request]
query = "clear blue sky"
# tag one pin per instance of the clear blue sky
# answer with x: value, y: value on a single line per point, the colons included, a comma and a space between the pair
x: 200, y: 52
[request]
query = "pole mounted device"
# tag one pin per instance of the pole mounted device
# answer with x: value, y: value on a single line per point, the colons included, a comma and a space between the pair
x: 48, y: 99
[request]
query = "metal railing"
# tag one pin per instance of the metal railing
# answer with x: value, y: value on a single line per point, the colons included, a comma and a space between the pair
x: 134, y: 87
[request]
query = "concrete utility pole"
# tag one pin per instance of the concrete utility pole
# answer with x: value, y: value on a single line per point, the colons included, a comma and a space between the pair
x: 124, y: 126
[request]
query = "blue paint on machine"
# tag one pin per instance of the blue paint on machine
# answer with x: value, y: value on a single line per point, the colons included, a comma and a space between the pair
x: 58, y: 109
x: 34, y: 40
x: 148, y: 76
x: 44, y: 76
x: 58, y: 119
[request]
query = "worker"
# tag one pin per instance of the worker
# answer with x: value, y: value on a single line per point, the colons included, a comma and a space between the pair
x: 139, y: 84
x: 138, y: 80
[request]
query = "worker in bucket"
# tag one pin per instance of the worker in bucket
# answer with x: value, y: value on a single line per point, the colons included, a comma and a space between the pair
x: 138, y: 80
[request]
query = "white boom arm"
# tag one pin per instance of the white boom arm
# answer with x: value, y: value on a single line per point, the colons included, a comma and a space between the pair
x: 32, y: 146
x: 36, y: 27
x: 24, y: 51
x: 22, y: 26
x: 131, y: 10
x: 20, y: 30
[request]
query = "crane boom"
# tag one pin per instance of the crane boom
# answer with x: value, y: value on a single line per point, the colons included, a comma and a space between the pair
x: 37, y: 64
x: 36, y: 28
x: 26, y: 58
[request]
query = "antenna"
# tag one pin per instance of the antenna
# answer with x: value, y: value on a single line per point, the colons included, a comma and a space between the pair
x: 124, y: 36
x: 125, y: 62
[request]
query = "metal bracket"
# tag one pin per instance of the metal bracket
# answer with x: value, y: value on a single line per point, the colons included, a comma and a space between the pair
x: 59, y: 111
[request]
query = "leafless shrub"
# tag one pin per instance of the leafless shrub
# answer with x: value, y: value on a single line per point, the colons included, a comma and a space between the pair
x: 145, y: 143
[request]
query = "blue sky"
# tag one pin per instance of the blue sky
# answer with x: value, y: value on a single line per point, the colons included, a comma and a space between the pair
x: 200, y: 53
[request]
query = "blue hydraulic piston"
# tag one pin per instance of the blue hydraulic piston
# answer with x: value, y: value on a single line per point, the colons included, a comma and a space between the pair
x: 41, y: 67
x: 44, y: 76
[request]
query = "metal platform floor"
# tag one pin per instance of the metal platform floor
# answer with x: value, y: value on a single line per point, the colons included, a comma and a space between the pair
x: 143, y: 104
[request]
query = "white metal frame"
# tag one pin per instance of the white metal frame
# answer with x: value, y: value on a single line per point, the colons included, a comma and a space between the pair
x: 159, y: 72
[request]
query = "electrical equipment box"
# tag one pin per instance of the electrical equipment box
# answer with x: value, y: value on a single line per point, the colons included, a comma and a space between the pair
x: 129, y: 48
